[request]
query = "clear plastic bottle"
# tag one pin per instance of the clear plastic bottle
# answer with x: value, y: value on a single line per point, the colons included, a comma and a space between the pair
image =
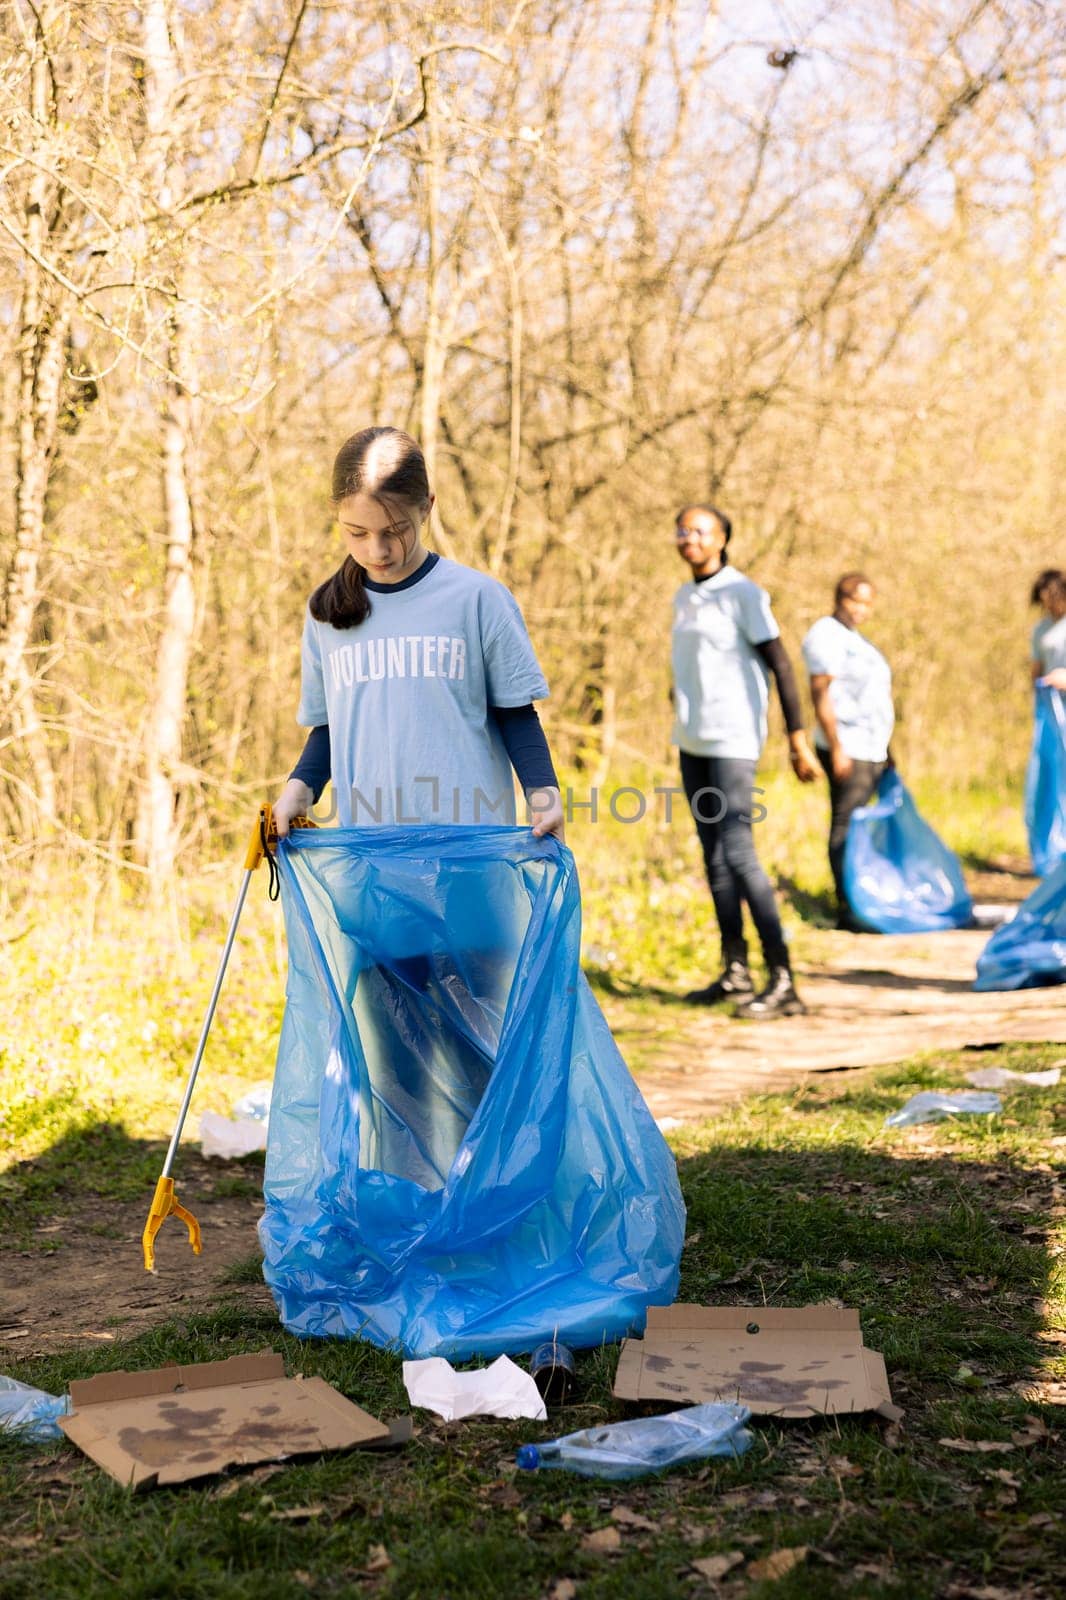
x: 647, y: 1444
x: 30, y: 1412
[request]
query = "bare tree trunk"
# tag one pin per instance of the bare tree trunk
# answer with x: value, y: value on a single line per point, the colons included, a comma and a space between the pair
x: 157, y: 830
x: 43, y: 325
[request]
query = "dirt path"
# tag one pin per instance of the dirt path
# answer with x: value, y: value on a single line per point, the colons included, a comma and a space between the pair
x: 872, y: 1000
x: 92, y: 1289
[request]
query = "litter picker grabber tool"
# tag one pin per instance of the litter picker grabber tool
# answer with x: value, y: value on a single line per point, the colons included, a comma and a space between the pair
x: 165, y: 1202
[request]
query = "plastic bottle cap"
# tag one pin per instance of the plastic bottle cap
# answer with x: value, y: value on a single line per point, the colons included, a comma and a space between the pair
x: 528, y: 1457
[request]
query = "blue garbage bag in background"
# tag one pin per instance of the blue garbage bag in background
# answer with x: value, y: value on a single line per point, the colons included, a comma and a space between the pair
x: 1029, y: 951
x: 1045, y: 782
x: 899, y: 877
x: 459, y: 1161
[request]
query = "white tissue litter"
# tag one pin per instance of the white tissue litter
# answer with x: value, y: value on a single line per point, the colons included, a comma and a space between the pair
x: 502, y: 1390
x: 1002, y: 1077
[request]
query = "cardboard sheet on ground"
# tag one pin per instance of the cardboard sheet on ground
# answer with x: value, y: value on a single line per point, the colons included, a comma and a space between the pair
x: 783, y: 1362
x: 173, y: 1424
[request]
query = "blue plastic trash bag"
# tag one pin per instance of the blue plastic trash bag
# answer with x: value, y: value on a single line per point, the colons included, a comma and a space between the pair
x: 30, y: 1413
x: 1045, y: 782
x: 1029, y: 951
x: 458, y: 1161
x: 930, y: 1105
x: 899, y: 877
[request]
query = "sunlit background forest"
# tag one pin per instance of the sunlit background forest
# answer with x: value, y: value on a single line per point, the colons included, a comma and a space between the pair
x: 806, y: 261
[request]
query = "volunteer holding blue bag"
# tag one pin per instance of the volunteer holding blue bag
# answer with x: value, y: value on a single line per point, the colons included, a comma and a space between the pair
x: 418, y: 673
x: 1045, y: 778
x: 725, y: 644
x: 1049, y: 634
x: 851, y: 687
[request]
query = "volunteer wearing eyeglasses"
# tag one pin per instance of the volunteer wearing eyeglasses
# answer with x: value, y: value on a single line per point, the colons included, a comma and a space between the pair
x: 725, y: 645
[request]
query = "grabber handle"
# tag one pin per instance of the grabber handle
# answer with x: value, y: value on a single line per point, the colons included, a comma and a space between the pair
x: 165, y: 1204
x: 265, y: 836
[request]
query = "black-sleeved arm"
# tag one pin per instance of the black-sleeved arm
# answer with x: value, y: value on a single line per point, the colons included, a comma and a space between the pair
x: 314, y: 766
x: 776, y: 657
x: 526, y: 746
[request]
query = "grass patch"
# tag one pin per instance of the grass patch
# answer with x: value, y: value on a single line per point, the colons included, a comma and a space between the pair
x: 947, y: 1236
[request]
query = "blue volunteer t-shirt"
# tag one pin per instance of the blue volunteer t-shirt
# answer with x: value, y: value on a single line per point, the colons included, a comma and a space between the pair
x: 406, y: 696
x: 721, y: 685
x: 860, y: 691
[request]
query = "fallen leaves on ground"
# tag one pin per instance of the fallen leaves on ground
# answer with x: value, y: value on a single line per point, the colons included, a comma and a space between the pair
x: 378, y: 1559
x: 778, y: 1563
x: 603, y: 1541
x: 715, y: 1567
x: 978, y: 1447
x: 633, y: 1519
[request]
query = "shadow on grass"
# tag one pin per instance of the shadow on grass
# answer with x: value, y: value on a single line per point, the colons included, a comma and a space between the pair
x: 603, y: 981
x: 820, y: 910
x: 880, y: 978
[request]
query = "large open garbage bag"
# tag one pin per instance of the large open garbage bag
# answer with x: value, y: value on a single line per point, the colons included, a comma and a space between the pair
x: 1045, y: 783
x: 1030, y: 950
x: 458, y: 1159
x: 899, y: 877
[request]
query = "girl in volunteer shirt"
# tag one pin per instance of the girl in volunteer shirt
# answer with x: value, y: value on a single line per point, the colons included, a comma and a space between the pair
x: 418, y: 673
x: 725, y: 645
x: 851, y: 686
x: 1049, y: 634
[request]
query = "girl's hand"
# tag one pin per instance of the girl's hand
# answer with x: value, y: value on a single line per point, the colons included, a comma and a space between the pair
x: 1055, y: 679
x: 295, y: 800
x: 546, y: 806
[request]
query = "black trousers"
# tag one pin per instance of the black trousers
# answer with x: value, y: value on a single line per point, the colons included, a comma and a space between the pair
x: 719, y: 792
x: 846, y: 797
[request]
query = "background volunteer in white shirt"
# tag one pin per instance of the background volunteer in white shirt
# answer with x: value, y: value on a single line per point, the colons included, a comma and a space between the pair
x: 851, y: 686
x: 725, y: 645
x: 1049, y: 635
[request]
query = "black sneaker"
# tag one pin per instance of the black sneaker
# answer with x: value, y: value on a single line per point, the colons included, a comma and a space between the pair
x: 778, y: 999
x: 734, y: 984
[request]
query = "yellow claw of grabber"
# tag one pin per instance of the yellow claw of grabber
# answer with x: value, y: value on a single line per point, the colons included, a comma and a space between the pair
x: 165, y: 1204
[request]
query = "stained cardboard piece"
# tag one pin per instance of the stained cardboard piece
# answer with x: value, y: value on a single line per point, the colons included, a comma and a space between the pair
x: 803, y: 1362
x: 173, y: 1424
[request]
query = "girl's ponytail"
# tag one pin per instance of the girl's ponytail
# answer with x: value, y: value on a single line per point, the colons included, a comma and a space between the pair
x: 342, y: 600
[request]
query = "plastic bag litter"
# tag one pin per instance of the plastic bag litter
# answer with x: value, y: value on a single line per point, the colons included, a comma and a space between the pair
x: 621, y: 1450
x: 1045, y: 782
x: 1029, y: 952
x: 502, y: 1390
x: 932, y: 1106
x: 224, y: 1137
x: 459, y: 1161
x: 255, y: 1105
x: 245, y: 1131
x: 31, y: 1413
x: 899, y: 877
x: 1003, y: 1078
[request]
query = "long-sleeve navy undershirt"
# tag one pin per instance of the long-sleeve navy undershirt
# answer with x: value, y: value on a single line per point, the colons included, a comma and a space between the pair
x: 520, y: 729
